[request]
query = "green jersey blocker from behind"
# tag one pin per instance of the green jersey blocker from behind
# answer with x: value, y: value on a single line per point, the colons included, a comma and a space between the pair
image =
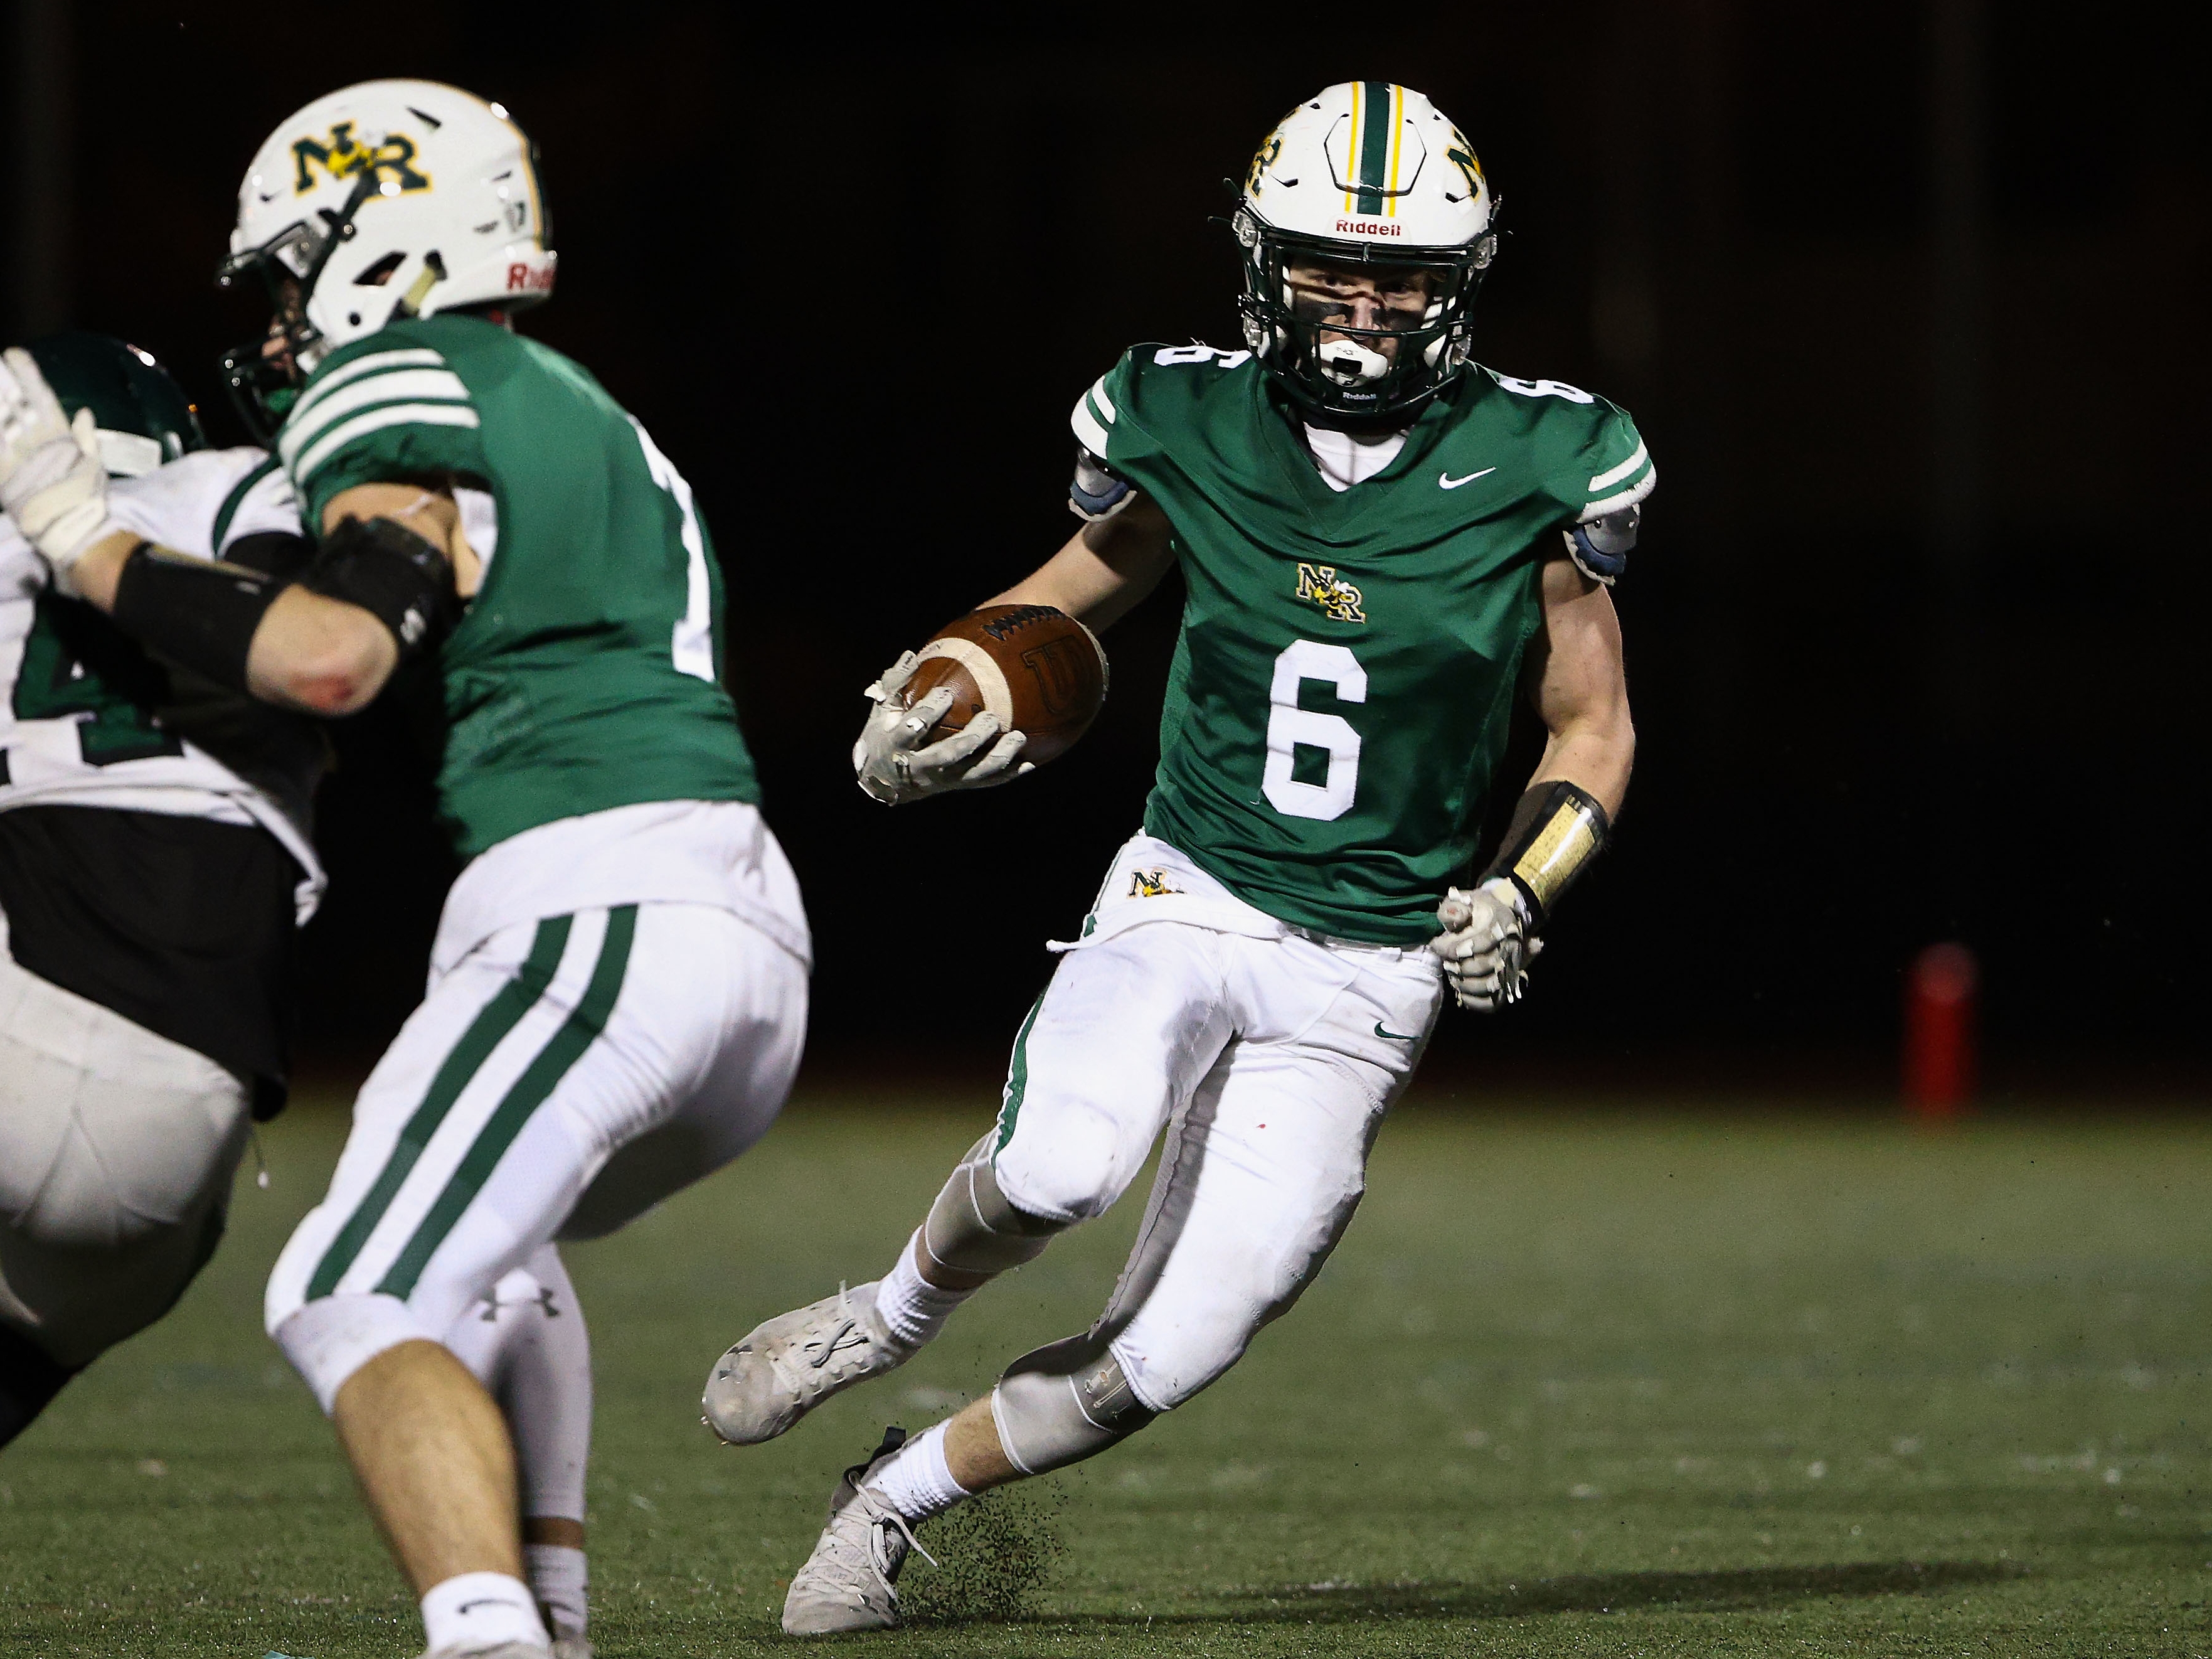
x: 1342, y: 688
x: 586, y: 675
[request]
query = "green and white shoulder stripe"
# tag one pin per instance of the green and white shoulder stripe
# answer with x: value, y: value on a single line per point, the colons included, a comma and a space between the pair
x: 1621, y: 486
x: 411, y: 385
x: 1094, y: 415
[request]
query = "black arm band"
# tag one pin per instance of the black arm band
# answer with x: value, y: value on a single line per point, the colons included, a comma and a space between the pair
x: 193, y: 612
x: 1557, y: 829
x: 392, y: 574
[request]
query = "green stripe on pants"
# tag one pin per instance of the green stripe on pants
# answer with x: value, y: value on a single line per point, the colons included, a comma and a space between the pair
x: 1017, y: 1079
x: 539, y: 1080
x: 499, y: 1017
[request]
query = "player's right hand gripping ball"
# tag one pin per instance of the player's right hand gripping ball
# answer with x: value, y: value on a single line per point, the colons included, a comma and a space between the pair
x: 994, y: 696
x: 1485, y: 947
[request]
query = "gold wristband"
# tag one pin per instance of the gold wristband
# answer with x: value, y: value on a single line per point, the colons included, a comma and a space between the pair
x: 1557, y: 829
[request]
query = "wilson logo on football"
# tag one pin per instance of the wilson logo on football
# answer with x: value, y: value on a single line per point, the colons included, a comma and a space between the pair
x: 1340, y: 601
x: 342, y: 155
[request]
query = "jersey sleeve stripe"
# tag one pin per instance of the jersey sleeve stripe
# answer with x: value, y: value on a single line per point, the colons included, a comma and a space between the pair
x: 376, y: 362
x: 1626, y: 469
x: 1628, y: 498
x: 1103, y: 403
x: 232, y: 501
x: 402, y: 386
x: 374, y: 421
x: 1092, y: 435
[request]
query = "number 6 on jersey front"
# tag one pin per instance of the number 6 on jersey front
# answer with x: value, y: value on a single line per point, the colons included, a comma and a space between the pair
x: 1290, y: 728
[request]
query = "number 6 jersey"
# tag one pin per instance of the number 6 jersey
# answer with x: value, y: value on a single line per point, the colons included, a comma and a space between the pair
x: 1341, y: 690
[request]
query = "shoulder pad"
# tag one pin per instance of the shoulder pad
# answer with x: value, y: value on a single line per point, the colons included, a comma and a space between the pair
x: 1599, y: 547
x: 1097, y: 491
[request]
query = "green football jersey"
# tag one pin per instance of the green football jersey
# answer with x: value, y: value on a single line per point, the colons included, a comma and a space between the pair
x: 587, y: 673
x: 1341, y: 691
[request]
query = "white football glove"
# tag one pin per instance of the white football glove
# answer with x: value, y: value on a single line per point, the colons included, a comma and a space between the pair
x: 893, y: 764
x: 52, y: 483
x: 1486, y: 946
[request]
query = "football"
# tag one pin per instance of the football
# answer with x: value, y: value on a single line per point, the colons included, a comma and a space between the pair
x: 1040, y: 671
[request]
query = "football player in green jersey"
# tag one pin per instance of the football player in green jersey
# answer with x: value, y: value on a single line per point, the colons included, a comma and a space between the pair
x: 618, y: 986
x: 1382, y: 544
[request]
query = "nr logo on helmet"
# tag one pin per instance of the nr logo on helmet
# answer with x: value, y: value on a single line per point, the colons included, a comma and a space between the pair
x: 342, y: 155
x: 1460, y: 155
x: 1264, y: 158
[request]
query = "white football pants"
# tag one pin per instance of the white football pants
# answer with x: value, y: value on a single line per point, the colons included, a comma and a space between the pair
x: 117, y: 1150
x: 558, y: 1081
x: 1270, y: 1057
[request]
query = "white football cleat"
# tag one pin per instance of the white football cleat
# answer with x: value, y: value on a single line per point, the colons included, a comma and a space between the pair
x: 850, y: 1581
x: 502, y: 1651
x: 784, y: 1368
x: 572, y: 1647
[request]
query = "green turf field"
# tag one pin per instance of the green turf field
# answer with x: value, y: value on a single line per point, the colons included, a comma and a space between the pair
x: 1590, y: 1384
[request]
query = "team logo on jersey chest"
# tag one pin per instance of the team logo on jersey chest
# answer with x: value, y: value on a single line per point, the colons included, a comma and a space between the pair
x: 1340, y: 601
x: 341, y: 155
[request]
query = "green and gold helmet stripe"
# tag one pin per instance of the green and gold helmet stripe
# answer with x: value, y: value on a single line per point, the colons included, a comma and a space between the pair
x: 1397, y: 145
x: 1375, y: 123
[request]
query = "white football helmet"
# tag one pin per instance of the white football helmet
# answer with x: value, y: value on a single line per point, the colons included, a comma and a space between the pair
x: 384, y: 200
x: 1370, y: 175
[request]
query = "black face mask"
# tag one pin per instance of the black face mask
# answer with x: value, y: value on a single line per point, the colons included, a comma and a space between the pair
x: 1359, y: 376
x: 263, y: 387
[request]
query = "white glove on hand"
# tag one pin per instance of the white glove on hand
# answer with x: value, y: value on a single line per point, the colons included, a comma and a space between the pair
x: 895, y: 767
x: 52, y: 483
x: 1484, y: 947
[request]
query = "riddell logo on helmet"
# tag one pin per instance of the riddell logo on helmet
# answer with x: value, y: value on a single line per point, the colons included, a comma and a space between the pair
x: 524, y: 276
x: 1370, y: 226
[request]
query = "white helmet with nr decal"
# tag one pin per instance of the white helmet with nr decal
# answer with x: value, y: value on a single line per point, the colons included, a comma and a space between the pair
x: 1366, y: 224
x: 382, y: 200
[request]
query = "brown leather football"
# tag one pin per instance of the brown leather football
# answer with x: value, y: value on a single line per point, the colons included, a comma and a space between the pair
x: 1040, y: 671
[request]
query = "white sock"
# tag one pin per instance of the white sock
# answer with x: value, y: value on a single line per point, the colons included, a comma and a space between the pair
x: 557, y: 1578
x: 918, y: 1482
x: 913, y: 1309
x: 481, y: 1610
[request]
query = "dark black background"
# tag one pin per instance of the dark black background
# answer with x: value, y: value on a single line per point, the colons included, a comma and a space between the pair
x: 853, y: 282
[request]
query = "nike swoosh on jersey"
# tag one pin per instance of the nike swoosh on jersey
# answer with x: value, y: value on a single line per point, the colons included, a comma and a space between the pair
x: 1394, y: 1037
x: 1445, y: 481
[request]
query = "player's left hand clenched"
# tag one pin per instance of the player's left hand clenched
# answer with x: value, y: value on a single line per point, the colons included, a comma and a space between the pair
x: 895, y: 765
x: 52, y: 483
x: 1486, y: 946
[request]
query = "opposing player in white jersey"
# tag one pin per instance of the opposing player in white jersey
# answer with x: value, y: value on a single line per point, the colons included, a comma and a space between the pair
x: 1383, y: 546
x: 156, y: 859
x: 618, y: 989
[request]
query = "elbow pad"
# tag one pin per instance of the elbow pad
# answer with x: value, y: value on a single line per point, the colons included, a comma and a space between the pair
x: 1600, y: 548
x: 197, y: 613
x: 392, y: 574
x: 1097, y: 491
